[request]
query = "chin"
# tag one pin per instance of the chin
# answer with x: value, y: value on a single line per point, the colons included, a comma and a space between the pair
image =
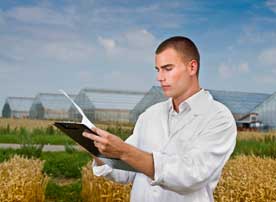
x: 167, y: 93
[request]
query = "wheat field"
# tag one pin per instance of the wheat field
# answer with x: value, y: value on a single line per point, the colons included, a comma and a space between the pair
x: 22, y: 180
x: 35, y: 123
x: 244, y: 179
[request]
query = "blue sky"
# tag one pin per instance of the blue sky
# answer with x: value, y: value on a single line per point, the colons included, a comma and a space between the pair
x: 51, y: 44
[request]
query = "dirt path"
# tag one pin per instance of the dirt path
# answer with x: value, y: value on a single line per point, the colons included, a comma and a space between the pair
x: 51, y: 148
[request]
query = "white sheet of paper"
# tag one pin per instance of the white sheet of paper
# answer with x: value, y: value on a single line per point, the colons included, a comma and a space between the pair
x: 84, y: 120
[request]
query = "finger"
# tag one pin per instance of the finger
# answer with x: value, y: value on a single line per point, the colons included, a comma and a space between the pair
x: 87, y: 134
x: 99, y: 146
x: 99, y: 139
x: 101, y: 132
x: 90, y: 136
x: 96, y: 144
x: 95, y: 137
x: 94, y: 129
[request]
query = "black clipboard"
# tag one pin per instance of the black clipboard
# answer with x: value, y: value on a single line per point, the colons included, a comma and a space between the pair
x: 74, y: 130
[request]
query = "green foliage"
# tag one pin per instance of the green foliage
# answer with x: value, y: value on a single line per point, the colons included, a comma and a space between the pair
x: 49, y: 135
x: 262, y: 148
x: 21, y: 135
x: 69, y: 148
x: 57, y: 193
x: 28, y: 147
x: 30, y: 151
x: 57, y: 164
x: 7, y: 130
x: 6, y: 154
x: 50, y: 130
x: 26, y: 151
x: 63, y: 164
x: 120, y: 132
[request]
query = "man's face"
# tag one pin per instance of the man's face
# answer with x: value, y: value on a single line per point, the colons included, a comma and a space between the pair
x: 172, y: 73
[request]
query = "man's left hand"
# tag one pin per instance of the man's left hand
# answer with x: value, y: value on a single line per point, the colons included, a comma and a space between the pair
x: 108, y: 144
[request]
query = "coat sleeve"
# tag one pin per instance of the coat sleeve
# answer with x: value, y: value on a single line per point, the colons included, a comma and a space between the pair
x: 117, y: 175
x: 201, y: 161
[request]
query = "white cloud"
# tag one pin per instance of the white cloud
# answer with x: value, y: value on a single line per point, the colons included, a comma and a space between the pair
x: 243, y: 67
x: 268, y: 57
x: 39, y: 44
x: 140, y: 39
x: 108, y: 44
x: 229, y: 70
x: 68, y: 51
x: 251, y: 35
x: 134, y: 46
x: 271, y: 4
x: 40, y: 15
x: 225, y: 71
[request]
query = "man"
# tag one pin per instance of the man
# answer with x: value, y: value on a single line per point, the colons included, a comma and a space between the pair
x: 178, y: 146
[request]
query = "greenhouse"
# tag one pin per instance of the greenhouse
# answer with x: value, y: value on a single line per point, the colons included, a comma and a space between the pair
x: 267, y: 112
x: 17, y: 107
x: 154, y: 95
x: 50, y: 106
x: 103, y: 105
x: 240, y: 104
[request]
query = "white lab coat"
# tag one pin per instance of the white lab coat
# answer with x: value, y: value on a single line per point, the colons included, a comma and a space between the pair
x: 188, y: 161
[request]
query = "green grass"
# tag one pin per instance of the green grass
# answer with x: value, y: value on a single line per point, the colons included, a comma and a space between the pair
x: 120, y: 132
x: 261, y: 148
x: 65, y: 193
x: 264, y: 148
x: 48, y: 135
x: 22, y: 135
x: 37, y: 139
x: 57, y: 164
x: 6, y: 154
x: 63, y: 164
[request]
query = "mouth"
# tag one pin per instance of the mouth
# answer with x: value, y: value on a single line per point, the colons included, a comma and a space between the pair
x: 165, y: 87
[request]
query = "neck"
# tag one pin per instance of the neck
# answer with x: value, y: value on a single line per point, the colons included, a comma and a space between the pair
x: 185, y: 96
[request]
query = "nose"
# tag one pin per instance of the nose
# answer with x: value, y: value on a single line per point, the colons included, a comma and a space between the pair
x: 160, y: 76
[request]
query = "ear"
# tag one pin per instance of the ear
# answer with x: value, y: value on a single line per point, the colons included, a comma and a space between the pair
x: 193, y: 67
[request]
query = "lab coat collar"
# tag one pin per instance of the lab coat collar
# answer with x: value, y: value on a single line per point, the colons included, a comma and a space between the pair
x: 197, y: 103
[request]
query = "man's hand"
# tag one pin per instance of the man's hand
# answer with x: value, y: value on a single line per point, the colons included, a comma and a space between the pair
x: 112, y: 146
x: 108, y: 144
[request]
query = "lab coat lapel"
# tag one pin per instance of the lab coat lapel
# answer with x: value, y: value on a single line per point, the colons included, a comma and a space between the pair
x: 164, y: 119
x: 198, y: 106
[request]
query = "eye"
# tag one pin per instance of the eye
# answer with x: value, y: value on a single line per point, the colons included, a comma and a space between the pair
x: 168, y: 68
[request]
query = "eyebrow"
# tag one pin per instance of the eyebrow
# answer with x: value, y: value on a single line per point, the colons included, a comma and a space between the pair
x: 164, y: 66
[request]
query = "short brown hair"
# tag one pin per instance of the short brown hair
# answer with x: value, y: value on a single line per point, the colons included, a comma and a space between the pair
x: 184, y: 46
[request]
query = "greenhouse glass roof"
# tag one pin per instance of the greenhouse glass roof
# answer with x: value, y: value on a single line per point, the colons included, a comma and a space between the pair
x: 19, y: 103
x: 238, y: 102
x: 54, y: 101
x: 113, y: 99
x: 268, y: 103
